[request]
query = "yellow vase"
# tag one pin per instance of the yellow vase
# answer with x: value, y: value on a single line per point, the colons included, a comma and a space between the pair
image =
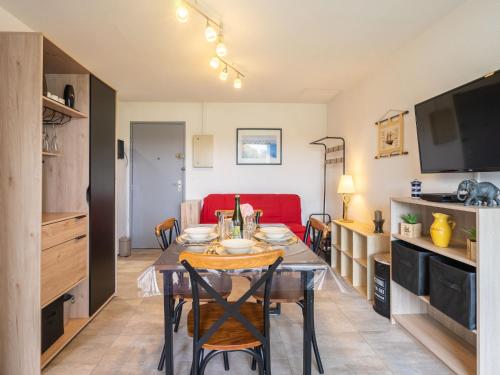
x: 442, y: 229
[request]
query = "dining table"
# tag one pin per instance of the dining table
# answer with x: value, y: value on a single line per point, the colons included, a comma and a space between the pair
x: 298, y: 258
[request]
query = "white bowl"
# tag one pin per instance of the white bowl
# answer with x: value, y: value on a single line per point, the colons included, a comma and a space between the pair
x: 238, y: 246
x: 198, y: 233
x: 275, y: 233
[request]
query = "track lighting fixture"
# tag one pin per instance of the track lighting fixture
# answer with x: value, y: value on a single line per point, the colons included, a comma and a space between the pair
x: 182, y: 13
x: 237, y: 82
x: 221, y: 49
x: 214, y: 62
x: 210, y: 33
x: 224, y: 74
x: 213, y: 33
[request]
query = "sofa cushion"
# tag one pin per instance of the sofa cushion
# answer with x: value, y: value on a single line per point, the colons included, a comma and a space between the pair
x: 276, y: 208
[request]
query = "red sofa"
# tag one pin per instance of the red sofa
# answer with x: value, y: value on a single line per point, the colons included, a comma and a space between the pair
x: 276, y: 208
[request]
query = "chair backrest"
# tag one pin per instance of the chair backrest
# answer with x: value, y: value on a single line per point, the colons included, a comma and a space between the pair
x: 191, y: 261
x: 229, y: 214
x: 165, y: 230
x: 315, y: 231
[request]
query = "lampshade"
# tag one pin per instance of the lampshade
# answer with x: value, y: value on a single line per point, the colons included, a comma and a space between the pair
x: 346, y: 185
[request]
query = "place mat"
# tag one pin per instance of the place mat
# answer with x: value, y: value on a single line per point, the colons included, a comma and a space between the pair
x: 218, y: 249
x: 261, y: 237
x: 184, y: 240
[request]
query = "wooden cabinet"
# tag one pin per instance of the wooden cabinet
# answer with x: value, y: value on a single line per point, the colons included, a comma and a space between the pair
x: 464, y: 351
x: 64, y: 261
x: 45, y: 212
x: 353, y: 248
x: 61, y: 231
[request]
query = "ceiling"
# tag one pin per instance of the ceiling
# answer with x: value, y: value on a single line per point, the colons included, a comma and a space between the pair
x: 290, y: 50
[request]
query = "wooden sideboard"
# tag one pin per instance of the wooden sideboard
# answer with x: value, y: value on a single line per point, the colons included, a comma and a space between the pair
x: 464, y: 351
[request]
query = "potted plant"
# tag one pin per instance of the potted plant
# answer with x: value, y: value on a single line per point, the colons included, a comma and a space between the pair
x: 471, y: 242
x: 410, y: 227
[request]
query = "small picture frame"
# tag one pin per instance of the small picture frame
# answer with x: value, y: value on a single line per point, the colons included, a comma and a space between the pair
x: 258, y: 146
x: 391, y: 136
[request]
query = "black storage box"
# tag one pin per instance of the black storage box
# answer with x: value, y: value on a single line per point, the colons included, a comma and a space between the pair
x: 382, y: 293
x: 453, y: 290
x: 52, y: 323
x: 410, y: 267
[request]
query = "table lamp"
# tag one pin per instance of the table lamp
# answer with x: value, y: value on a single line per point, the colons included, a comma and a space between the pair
x: 346, y: 188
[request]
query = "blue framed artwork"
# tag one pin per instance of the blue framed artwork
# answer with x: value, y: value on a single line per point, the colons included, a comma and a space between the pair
x: 258, y: 146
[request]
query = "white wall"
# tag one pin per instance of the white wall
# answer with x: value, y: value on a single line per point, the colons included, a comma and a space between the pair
x: 459, y: 48
x: 301, y: 172
x: 10, y: 23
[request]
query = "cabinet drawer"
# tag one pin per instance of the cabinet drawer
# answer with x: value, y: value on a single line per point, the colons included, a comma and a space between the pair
x: 62, y: 231
x: 62, y: 267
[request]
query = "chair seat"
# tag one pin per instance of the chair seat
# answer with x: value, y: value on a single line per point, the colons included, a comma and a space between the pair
x: 222, y: 284
x: 286, y: 288
x: 232, y: 335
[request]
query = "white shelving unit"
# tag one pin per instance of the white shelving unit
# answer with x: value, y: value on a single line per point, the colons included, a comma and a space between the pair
x: 353, y: 247
x: 464, y: 351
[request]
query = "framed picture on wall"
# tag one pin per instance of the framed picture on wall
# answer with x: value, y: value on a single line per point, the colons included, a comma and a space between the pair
x: 258, y: 146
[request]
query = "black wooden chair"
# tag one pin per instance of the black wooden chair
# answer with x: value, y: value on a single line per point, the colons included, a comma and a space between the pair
x: 221, y: 326
x: 182, y: 289
x: 287, y: 286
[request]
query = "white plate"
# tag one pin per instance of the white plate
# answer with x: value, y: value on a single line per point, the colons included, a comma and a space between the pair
x: 198, y: 233
x: 238, y: 246
x: 262, y: 237
x: 275, y: 233
x: 186, y: 239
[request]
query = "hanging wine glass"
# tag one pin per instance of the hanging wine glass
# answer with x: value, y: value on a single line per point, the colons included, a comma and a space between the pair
x: 45, y: 138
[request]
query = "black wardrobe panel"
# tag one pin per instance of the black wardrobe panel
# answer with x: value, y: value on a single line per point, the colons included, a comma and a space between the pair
x: 102, y: 193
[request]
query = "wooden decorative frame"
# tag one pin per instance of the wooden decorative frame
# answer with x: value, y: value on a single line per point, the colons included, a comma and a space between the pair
x: 276, y: 159
x: 390, y: 138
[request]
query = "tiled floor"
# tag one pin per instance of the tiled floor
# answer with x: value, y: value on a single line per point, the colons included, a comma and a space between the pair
x: 126, y: 337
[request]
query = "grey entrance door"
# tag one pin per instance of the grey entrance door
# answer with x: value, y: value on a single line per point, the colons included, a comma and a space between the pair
x: 157, y: 178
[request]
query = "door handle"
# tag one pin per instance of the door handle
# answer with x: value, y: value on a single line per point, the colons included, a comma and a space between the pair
x: 178, y: 184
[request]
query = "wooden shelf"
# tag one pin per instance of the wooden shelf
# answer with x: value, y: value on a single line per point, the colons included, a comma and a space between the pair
x: 448, y: 206
x: 348, y: 278
x: 347, y: 254
x: 448, y: 347
x: 456, y: 251
x: 54, y: 217
x: 45, y: 153
x: 361, y: 228
x: 61, y: 108
x: 71, y: 329
x: 64, y: 292
x: 361, y: 261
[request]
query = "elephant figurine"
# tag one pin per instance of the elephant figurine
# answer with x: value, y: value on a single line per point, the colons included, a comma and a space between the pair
x: 476, y: 193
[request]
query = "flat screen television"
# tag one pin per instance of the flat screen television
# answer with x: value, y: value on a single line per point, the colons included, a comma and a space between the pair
x: 459, y: 131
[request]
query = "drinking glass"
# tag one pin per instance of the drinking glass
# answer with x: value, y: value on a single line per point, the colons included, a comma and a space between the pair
x: 228, y: 228
x: 250, y: 225
x: 221, y: 227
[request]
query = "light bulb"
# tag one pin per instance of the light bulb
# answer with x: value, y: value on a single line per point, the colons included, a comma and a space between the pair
x: 221, y: 49
x: 210, y: 33
x: 224, y: 74
x: 237, y: 83
x: 182, y: 14
x: 214, y: 62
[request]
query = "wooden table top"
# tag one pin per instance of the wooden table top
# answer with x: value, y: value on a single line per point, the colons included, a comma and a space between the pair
x: 298, y: 257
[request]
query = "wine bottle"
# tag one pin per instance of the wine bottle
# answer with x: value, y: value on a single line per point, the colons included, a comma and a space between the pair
x: 237, y: 218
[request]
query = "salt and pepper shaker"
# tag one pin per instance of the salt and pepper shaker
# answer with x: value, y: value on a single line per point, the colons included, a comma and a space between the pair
x: 416, y: 188
x: 379, y: 222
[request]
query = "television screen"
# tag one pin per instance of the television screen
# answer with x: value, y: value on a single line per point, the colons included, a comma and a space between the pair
x: 460, y: 130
